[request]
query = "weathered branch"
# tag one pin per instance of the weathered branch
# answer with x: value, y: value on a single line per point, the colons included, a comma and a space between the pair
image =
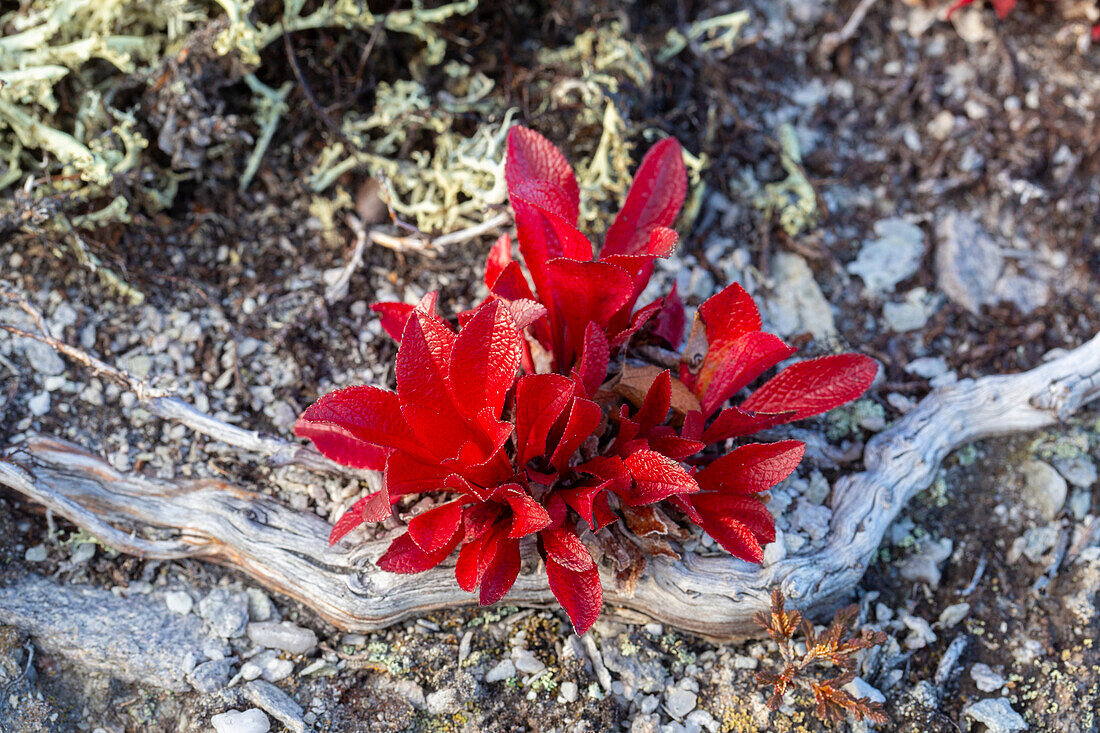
x: 287, y: 551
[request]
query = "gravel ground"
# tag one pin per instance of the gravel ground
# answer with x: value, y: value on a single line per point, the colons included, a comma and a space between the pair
x: 952, y: 233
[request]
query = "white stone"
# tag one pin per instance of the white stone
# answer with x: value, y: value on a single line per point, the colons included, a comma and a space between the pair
x: 569, y: 691
x: 891, y: 258
x: 912, y: 313
x: 35, y: 554
x: 1079, y: 470
x: 679, y: 702
x: 941, y: 125
x: 39, y: 404
x: 796, y: 304
x: 968, y: 262
x: 1044, y: 488
x: 923, y: 566
x: 234, y: 721
x: 179, y: 602
x: 953, y: 615
x: 83, y: 552
x: 526, y: 663
x: 442, y: 702
x: 920, y: 632
x: 997, y: 715
x: 775, y: 551
x: 503, y: 670
x: 927, y: 367
x: 283, y: 635
x: 860, y: 689
x: 985, y: 678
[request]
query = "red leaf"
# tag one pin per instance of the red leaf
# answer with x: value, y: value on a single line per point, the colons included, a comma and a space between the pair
x: 500, y: 572
x: 752, y: 468
x: 721, y: 319
x: 579, y: 593
x: 639, y: 319
x: 540, y: 401
x: 511, y: 284
x: 582, y: 292
x: 814, y: 386
x: 658, y: 401
x: 733, y: 422
x: 564, y: 547
x: 610, y: 469
x: 479, y: 519
x: 664, y: 440
x: 540, y: 225
x: 528, y: 516
x: 584, y: 418
x: 434, y: 529
x: 669, y: 321
x: 656, y: 477
x: 356, y: 426
x: 484, y: 361
x: 736, y: 538
x: 531, y: 157
x: 591, y: 368
x: 394, y: 317
x: 474, y: 557
x: 683, y: 503
x: 371, y: 508
x: 524, y: 311
x: 423, y: 363
x: 499, y: 257
x: 403, y: 556
x: 654, y: 199
x: 693, y: 426
x: 739, y: 362
x: 406, y: 475
x: 725, y: 514
x: 582, y: 497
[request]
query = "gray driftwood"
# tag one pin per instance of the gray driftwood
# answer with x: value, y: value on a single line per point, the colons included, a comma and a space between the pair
x: 286, y: 550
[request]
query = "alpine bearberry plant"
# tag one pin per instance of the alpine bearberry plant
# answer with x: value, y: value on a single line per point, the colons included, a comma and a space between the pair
x: 532, y: 435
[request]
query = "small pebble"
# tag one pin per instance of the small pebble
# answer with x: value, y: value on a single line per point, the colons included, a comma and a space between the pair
x: 859, y: 689
x: 226, y: 612
x: 39, y: 405
x: 83, y: 552
x: 179, y: 602
x: 1044, y: 488
x: 952, y: 615
x: 569, y: 691
x: 35, y: 554
x: 679, y: 702
x: 526, y: 663
x: 442, y: 702
x: 997, y: 715
x: 985, y: 678
x: 283, y: 635
x: 234, y: 721
x: 505, y: 669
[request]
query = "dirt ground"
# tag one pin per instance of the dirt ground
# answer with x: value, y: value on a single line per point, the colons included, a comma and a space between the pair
x: 981, y: 130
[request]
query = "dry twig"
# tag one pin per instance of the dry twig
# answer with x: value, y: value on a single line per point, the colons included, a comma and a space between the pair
x: 832, y: 648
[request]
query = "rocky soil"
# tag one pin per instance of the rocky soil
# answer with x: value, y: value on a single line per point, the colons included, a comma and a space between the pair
x: 951, y: 230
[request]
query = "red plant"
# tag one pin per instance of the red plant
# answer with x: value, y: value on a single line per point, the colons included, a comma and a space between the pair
x: 575, y: 448
x: 1004, y: 7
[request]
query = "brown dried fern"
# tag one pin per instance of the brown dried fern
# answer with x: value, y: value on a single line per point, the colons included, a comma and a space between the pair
x: 832, y: 647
